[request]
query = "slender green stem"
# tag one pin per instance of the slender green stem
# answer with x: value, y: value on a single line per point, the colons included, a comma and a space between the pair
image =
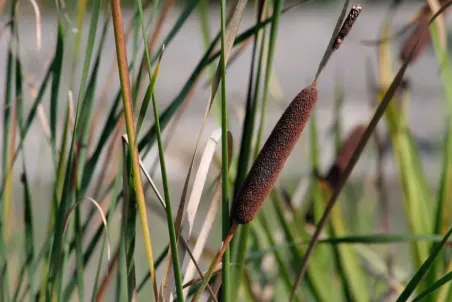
x: 203, y: 7
x: 226, y: 272
x: 170, y: 220
x: 277, y: 6
x: 240, y: 248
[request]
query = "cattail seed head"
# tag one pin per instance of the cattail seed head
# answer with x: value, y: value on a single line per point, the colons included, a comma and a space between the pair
x: 347, y: 26
x: 344, y: 156
x: 270, y: 161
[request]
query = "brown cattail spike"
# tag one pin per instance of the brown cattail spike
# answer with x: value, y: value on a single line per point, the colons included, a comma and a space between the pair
x: 347, y: 26
x: 344, y: 156
x: 420, y: 32
x: 270, y: 161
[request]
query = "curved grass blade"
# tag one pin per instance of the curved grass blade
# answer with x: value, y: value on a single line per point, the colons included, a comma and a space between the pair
x: 67, y: 194
x: 89, y: 250
x: 103, y: 216
x: 116, y: 189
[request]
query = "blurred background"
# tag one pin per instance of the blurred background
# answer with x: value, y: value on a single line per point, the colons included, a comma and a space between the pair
x: 303, y: 36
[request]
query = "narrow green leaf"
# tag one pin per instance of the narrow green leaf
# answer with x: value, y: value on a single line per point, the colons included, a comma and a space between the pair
x: 277, y: 7
x: 28, y: 221
x: 57, y: 66
x: 147, y: 96
x: 442, y: 281
x: 129, y: 214
x: 411, y: 286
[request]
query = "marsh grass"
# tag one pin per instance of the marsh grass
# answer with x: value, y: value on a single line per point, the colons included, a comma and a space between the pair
x: 276, y: 252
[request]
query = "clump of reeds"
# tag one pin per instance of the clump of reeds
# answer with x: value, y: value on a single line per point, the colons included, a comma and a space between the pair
x: 279, y: 145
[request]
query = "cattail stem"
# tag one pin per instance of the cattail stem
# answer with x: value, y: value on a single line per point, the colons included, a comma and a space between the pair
x: 215, y: 262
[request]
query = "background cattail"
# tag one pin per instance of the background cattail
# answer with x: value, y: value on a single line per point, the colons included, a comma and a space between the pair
x: 420, y: 30
x: 344, y: 156
x: 334, y: 173
x: 270, y: 161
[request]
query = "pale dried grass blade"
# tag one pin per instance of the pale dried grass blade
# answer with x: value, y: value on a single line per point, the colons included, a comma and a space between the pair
x: 199, y: 182
x: 203, y: 235
x: 195, y: 197
x: 101, y: 213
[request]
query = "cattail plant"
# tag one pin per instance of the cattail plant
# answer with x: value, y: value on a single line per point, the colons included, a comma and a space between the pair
x: 419, y: 32
x: 279, y: 145
x: 421, y: 22
x: 331, y: 179
x: 347, y: 26
x: 345, y: 154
